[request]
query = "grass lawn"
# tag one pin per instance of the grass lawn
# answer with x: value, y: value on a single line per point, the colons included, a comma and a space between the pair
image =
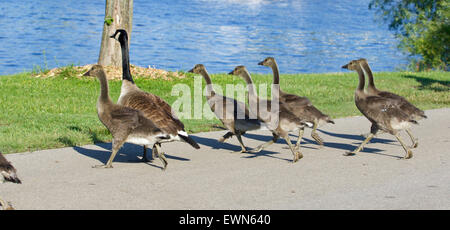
x: 44, y: 113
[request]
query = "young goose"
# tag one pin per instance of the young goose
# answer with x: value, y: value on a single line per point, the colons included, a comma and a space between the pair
x: 414, y: 112
x: 7, y: 173
x: 300, y: 106
x: 125, y: 124
x: 281, y: 121
x: 228, y: 110
x: 384, y: 113
x: 152, y: 106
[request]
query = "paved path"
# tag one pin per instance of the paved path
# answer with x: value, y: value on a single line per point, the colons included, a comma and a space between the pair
x: 214, y: 178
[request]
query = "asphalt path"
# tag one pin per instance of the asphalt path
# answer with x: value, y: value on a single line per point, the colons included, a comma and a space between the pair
x: 215, y: 178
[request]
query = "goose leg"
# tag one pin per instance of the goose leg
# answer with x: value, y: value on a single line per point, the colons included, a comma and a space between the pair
x: 315, y: 135
x: 407, y: 150
x: 297, y: 154
x: 161, y: 156
x: 243, y: 149
x: 226, y: 136
x: 263, y: 146
x: 365, y: 135
x: 300, y: 136
x: 154, y: 151
x: 415, y: 141
x: 116, y: 144
x: 361, y: 146
x: 144, y: 155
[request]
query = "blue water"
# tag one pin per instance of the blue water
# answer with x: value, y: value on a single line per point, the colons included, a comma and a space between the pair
x: 304, y: 36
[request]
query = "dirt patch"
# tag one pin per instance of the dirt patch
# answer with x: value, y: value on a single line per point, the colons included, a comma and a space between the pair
x: 112, y: 72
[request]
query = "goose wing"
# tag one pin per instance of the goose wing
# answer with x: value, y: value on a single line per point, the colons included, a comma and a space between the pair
x: 294, y: 100
x: 155, y: 109
x: 404, y: 105
x: 125, y: 118
x: 385, y: 111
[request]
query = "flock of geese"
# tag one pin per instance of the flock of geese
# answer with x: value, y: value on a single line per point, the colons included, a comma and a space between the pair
x: 145, y: 119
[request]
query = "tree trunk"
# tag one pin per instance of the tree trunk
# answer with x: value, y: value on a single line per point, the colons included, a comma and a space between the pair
x: 118, y: 15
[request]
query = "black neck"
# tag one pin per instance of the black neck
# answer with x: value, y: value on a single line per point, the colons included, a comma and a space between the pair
x: 126, y: 73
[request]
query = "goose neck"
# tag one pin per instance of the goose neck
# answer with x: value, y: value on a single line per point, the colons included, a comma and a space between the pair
x: 104, y: 92
x: 209, y: 86
x: 371, y: 83
x: 276, y: 73
x: 250, y: 86
x: 126, y: 73
x: 361, y: 79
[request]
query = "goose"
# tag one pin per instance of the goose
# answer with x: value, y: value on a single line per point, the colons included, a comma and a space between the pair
x: 300, y: 106
x: 152, y: 106
x: 281, y: 122
x: 384, y: 113
x: 414, y: 112
x: 7, y: 173
x: 124, y: 123
x: 229, y: 116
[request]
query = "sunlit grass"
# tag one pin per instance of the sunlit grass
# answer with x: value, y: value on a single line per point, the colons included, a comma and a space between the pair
x: 38, y: 113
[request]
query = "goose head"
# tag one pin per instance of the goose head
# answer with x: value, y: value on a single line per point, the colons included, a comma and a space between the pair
x: 122, y: 34
x: 268, y: 61
x: 198, y: 69
x: 352, y: 65
x: 238, y: 71
x: 94, y: 71
x: 9, y: 173
x: 362, y: 60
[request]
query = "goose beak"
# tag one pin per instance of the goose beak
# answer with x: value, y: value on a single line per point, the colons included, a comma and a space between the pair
x: 191, y: 70
x: 345, y: 66
x: 231, y: 73
x: 261, y: 63
x: 88, y: 73
x: 114, y: 35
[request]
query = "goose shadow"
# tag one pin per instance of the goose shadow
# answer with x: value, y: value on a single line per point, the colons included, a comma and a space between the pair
x: 357, y: 137
x: 215, y: 144
x: 429, y: 84
x: 127, y: 153
x: 351, y: 147
x: 335, y: 145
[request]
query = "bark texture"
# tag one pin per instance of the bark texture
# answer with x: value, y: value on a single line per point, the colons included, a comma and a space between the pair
x: 118, y: 15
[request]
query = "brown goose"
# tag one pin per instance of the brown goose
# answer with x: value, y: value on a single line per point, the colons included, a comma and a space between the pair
x: 300, y: 106
x: 152, y: 106
x: 414, y: 112
x: 228, y: 110
x: 281, y: 121
x: 125, y: 124
x: 383, y: 113
x: 7, y: 173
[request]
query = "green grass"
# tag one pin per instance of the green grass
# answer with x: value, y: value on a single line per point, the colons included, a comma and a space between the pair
x: 38, y: 113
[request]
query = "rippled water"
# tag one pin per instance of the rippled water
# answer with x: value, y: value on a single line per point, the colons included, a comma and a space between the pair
x: 304, y: 35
